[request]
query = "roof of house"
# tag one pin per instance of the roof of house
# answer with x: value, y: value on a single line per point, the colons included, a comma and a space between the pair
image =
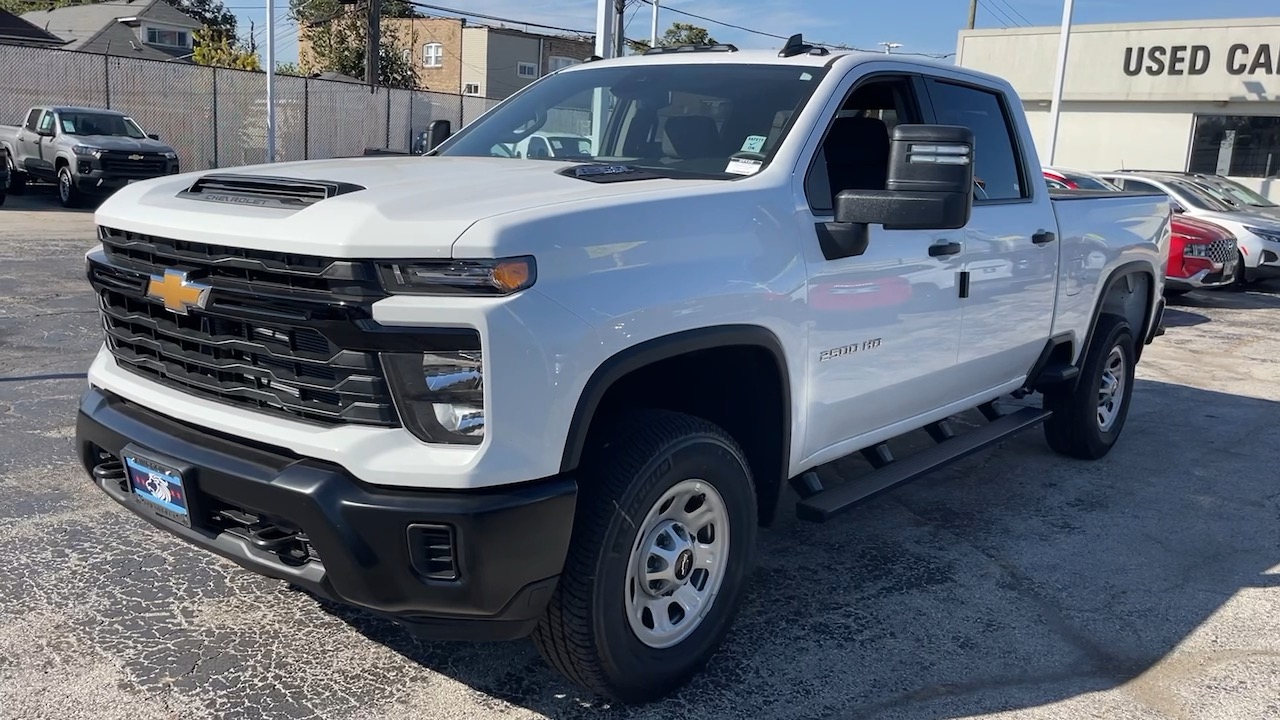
x: 100, y: 27
x: 16, y: 31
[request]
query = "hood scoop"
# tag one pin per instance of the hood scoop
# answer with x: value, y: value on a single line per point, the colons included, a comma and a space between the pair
x: 264, y: 191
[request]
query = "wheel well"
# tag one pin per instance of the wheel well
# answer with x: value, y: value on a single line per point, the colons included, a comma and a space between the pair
x: 741, y: 388
x: 60, y: 163
x: 1130, y: 296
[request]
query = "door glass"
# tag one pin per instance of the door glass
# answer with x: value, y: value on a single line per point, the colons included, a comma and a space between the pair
x: 46, y: 122
x: 997, y: 171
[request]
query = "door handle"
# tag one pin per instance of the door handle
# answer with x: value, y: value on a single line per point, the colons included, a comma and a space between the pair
x: 1043, y: 237
x: 944, y: 248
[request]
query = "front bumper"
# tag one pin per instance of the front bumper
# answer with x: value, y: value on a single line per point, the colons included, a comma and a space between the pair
x: 1201, y: 280
x: 508, y: 544
x: 98, y: 180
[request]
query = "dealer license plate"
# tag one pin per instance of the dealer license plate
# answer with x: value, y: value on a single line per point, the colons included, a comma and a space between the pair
x: 159, y: 488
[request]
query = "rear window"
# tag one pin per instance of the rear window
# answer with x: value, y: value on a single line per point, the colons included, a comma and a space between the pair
x: 1088, y: 182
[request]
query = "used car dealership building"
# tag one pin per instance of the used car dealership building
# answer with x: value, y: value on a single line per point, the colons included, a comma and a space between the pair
x: 1201, y: 96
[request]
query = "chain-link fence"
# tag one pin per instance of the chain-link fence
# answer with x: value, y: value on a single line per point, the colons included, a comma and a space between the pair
x: 216, y: 117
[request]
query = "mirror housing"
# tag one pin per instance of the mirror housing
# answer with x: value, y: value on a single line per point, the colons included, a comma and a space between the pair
x: 437, y: 132
x: 44, y: 133
x: 153, y: 136
x: 930, y: 182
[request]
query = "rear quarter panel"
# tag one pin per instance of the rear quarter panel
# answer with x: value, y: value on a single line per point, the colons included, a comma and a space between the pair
x: 1103, y: 236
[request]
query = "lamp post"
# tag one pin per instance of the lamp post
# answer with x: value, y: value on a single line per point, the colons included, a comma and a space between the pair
x: 1055, y: 109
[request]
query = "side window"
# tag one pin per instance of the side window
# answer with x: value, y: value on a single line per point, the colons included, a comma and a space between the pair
x: 854, y: 154
x: 32, y: 118
x: 46, y: 122
x: 997, y: 165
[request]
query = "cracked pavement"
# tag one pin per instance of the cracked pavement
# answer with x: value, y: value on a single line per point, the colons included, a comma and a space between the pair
x: 1013, y: 585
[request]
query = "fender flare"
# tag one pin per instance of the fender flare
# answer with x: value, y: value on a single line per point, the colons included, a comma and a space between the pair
x: 662, y: 348
x: 1116, y: 275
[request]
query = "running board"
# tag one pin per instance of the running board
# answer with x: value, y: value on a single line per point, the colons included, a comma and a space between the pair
x: 823, y: 505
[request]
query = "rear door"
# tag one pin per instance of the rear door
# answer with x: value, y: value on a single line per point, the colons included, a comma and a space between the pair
x: 1011, y: 246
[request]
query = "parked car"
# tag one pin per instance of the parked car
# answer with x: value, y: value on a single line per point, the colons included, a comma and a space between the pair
x: 1257, y: 235
x: 1201, y: 255
x: 1228, y: 191
x: 493, y: 398
x: 4, y: 174
x: 86, y: 151
x: 1062, y: 178
x: 554, y: 145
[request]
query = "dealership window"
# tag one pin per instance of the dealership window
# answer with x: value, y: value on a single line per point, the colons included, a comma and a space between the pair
x: 433, y: 55
x: 169, y: 38
x: 1237, y: 145
x: 996, y: 169
x: 558, y: 62
x: 527, y: 70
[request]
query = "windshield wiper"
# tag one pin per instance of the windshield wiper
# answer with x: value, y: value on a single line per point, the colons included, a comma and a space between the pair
x: 617, y: 172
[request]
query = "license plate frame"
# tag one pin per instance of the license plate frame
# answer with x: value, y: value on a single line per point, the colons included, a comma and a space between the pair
x: 159, y: 485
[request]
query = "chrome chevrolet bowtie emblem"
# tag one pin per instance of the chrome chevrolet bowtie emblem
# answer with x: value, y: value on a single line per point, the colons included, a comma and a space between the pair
x: 135, y: 157
x: 177, y: 292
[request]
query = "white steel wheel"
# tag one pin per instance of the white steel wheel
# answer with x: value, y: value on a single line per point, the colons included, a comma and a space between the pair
x: 677, y: 563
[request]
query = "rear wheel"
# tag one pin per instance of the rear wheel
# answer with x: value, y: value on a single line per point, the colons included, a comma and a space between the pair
x: 1089, y: 415
x: 662, y: 548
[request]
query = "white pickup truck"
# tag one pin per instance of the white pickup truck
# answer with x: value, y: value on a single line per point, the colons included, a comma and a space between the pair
x: 492, y: 397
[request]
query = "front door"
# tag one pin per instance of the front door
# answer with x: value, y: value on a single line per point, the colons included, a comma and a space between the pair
x: 1011, y: 252
x: 884, y: 316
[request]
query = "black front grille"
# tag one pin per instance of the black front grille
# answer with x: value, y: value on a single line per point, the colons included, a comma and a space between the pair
x: 263, y: 351
x: 146, y: 166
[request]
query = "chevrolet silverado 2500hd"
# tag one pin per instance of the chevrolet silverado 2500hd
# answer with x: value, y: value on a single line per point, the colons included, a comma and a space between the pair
x: 492, y: 397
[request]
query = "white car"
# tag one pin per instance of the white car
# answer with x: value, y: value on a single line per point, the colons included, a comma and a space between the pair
x: 554, y: 145
x: 492, y: 398
x: 1257, y: 235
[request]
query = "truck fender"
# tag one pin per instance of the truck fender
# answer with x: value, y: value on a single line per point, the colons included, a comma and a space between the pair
x: 1125, y: 273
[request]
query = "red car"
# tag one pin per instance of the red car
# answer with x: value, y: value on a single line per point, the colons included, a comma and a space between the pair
x: 1201, y: 254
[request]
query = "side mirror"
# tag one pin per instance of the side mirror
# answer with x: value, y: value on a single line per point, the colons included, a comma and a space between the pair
x: 153, y: 136
x: 437, y: 132
x: 44, y: 133
x: 930, y: 182
x: 1178, y: 209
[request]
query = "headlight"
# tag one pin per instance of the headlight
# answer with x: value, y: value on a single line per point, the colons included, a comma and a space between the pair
x: 1195, y: 250
x: 171, y: 155
x: 440, y: 394
x: 1265, y: 233
x: 453, y: 277
x: 86, y: 151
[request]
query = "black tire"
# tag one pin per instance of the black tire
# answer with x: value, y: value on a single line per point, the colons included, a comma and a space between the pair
x: 586, y: 634
x: 1240, y: 280
x: 68, y: 194
x: 1175, y: 293
x: 17, y: 179
x: 1076, y: 428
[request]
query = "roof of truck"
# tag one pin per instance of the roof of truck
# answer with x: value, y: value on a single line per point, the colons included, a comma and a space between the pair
x: 755, y: 57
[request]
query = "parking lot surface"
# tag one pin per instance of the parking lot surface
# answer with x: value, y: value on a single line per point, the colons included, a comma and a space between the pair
x: 1014, y: 585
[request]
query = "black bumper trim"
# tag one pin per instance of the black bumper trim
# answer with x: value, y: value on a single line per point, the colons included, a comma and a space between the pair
x: 510, y: 542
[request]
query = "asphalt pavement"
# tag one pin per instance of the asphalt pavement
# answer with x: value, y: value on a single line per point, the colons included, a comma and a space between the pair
x: 1014, y: 585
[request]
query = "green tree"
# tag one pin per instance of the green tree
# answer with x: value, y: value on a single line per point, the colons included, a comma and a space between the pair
x: 336, y: 35
x: 289, y: 69
x: 215, y: 50
x: 678, y: 34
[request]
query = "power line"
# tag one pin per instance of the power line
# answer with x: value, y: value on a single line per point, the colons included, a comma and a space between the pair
x: 1009, y: 6
x: 495, y: 18
x: 1000, y: 17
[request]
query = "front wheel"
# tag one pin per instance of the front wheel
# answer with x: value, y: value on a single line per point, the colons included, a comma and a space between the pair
x: 68, y: 193
x: 17, y: 178
x: 1240, y: 280
x: 663, y: 545
x: 1089, y: 415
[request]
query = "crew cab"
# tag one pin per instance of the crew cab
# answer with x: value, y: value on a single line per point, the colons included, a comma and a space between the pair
x: 492, y: 397
x: 86, y: 151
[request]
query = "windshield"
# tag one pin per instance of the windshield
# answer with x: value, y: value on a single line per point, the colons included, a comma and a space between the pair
x: 1198, y: 198
x: 1242, y: 194
x: 679, y: 120
x: 1089, y: 182
x: 83, y: 123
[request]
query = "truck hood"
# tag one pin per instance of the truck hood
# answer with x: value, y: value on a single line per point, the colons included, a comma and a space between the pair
x: 407, y: 207
x: 116, y: 143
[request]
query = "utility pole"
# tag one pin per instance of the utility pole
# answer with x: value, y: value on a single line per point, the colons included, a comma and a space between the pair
x: 653, y: 28
x: 271, y: 81
x: 372, y: 51
x: 1055, y: 110
x: 973, y: 13
x: 619, y: 40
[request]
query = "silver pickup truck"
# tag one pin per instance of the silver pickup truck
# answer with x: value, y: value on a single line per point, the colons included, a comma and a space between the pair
x: 86, y: 151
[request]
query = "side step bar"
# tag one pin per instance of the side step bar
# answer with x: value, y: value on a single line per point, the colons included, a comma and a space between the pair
x: 824, y: 504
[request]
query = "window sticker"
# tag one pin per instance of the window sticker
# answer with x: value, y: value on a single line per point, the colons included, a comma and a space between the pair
x: 743, y: 166
x: 753, y: 143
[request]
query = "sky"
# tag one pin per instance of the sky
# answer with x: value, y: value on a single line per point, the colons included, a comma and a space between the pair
x: 922, y: 26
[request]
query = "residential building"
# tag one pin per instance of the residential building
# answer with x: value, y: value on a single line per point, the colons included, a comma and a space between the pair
x: 16, y: 31
x: 1200, y: 95
x: 150, y: 29
x: 449, y: 55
